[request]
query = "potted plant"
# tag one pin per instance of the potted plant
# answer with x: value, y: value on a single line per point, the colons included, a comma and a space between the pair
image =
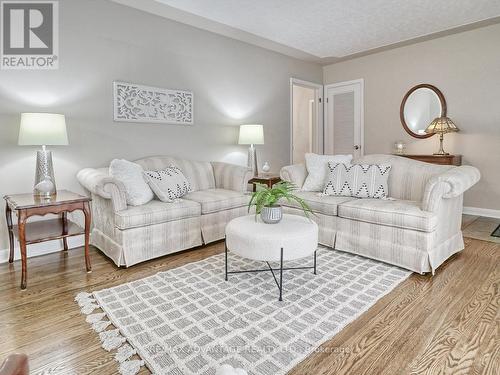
x: 266, y: 201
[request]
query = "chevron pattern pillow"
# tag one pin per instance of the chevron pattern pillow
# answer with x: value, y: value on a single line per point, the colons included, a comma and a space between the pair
x: 357, y: 180
x: 168, y: 184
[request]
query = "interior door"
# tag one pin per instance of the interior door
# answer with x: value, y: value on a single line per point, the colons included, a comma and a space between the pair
x: 344, y: 118
x: 306, y: 119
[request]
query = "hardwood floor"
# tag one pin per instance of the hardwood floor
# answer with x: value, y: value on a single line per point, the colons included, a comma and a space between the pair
x: 445, y: 324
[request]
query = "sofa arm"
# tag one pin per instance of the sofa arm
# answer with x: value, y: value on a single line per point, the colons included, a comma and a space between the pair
x: 295, y: 174
x: 231, y: 176
x: 450, y: 184
x: 99, y: 182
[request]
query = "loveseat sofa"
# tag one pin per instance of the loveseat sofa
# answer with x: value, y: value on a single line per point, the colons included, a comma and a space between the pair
x: 417, y: 228
x: 132, y: 234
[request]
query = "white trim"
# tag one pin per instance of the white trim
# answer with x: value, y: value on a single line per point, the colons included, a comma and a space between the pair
x: 348, y: 88
x: 42, y: 248
x: 319, y: 117
x: 478, y: 211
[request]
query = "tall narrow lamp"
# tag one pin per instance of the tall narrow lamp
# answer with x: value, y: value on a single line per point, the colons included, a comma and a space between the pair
x: 441, y: 125
x: 43, y: 129
x: 252, y: 135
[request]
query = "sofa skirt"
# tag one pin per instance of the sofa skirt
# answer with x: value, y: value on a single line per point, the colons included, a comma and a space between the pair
x: 136, y: 245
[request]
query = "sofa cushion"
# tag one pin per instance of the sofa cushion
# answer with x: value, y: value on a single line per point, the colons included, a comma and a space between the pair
x: 168, y: 184
x: 317, y: 202
x: 215, y: 200
x: 129, y: 174
x: 156, y: 212
x: 357, y: 180
x: 395, y: 213
x: 317, y: 169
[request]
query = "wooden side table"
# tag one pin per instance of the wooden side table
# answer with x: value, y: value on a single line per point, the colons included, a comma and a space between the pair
x: 436, y: 159
x: 27, y: 205
x: 266, y: 179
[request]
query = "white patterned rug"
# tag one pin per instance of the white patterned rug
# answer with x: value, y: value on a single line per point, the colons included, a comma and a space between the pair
x: 188, y: 320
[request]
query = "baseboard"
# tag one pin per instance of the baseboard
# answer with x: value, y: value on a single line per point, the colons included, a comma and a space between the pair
x: 477, y: 211
x: 42, y: 248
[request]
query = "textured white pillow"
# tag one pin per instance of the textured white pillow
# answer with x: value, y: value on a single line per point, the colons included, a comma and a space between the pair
x: 168, y: 184
x: 317, y: 169
x: 358, y: 180
x: 130, y: 174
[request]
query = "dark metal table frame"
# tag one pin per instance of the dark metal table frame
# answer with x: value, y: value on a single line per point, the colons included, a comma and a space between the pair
x: 270, y: 269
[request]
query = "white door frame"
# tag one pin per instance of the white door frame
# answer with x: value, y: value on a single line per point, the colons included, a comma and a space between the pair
x: 346, y: 85
x: 319, y: 91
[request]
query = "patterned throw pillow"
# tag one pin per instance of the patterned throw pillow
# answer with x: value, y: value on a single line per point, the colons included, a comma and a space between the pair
x: 358, y: 180
x: 317, y: 169
x: 168, y: 184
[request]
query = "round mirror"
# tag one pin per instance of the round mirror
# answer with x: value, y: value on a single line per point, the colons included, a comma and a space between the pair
x: 422, y: 104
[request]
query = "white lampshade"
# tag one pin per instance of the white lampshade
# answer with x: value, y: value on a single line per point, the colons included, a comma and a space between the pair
x: 42, y: 129
x: 251, y: 135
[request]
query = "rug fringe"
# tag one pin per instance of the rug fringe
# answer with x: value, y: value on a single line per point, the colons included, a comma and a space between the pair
x: 101, y: 326
x: 110, y: 339
x: 93, y: 318
x: 131, y: 367
x: 86, y: 302
x: 124, y: 353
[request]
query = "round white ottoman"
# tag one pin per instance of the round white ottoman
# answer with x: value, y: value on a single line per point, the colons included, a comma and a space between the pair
x: 294, y: 237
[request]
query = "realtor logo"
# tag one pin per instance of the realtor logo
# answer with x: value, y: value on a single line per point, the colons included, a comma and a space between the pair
x: 29, y: 35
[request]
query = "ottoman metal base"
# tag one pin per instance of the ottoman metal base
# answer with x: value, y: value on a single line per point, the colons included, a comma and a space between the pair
x: 270, y: 269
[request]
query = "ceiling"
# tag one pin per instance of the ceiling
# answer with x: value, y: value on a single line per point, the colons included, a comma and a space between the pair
x: 326, y: 29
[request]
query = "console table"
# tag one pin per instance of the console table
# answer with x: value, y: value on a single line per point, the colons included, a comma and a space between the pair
x: 436, y: 159
x: 27, y: 205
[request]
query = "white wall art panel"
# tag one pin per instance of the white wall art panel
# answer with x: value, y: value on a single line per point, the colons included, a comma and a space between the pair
x: 138, y: 103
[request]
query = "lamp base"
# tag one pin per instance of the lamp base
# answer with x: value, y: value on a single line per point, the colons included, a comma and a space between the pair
x: 441, y: 149
x: 45, y: 183
x: 252, y: 160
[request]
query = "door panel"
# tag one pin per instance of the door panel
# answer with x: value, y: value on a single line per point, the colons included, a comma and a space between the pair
x: 343, y: 110
x: 344, y: 118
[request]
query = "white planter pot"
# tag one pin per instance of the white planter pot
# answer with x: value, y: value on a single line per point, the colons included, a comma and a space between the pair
x: 271, y: 215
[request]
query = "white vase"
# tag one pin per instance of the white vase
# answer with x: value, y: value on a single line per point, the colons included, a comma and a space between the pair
x: 266, y: 167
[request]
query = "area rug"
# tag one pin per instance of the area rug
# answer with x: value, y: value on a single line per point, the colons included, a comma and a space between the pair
x: 189, y: 320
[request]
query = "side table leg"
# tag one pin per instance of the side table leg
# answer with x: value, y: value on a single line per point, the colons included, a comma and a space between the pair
x: 87, y: 214
x: 281, y: 275
x: 315, y: 263
x: 225, y: 246
x: 64, y: 218
x: 8, y: 216
x: 22, y: 245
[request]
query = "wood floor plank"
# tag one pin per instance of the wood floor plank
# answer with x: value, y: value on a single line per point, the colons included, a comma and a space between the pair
x: 452, y: 317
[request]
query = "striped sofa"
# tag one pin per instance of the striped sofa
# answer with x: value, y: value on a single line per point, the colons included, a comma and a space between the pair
x: 417, y: 228
x: 133, y: 234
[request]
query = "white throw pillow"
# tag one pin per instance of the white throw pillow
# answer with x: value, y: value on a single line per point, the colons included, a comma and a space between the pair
x: 168, y: 184
x: 358, y: 180
x: 137, y: 190
x: 317, y: 169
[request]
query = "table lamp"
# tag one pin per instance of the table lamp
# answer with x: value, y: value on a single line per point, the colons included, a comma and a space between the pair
x: 43, y: 129
x: 252, y: 135
x: 441, y: 125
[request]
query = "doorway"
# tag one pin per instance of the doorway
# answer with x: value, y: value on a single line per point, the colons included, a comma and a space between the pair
x: 306, y: 119
x: 344, y: 118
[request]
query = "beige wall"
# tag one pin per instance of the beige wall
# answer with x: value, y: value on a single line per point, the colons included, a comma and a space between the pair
x: 466, y: 68
x: 100, y: 41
